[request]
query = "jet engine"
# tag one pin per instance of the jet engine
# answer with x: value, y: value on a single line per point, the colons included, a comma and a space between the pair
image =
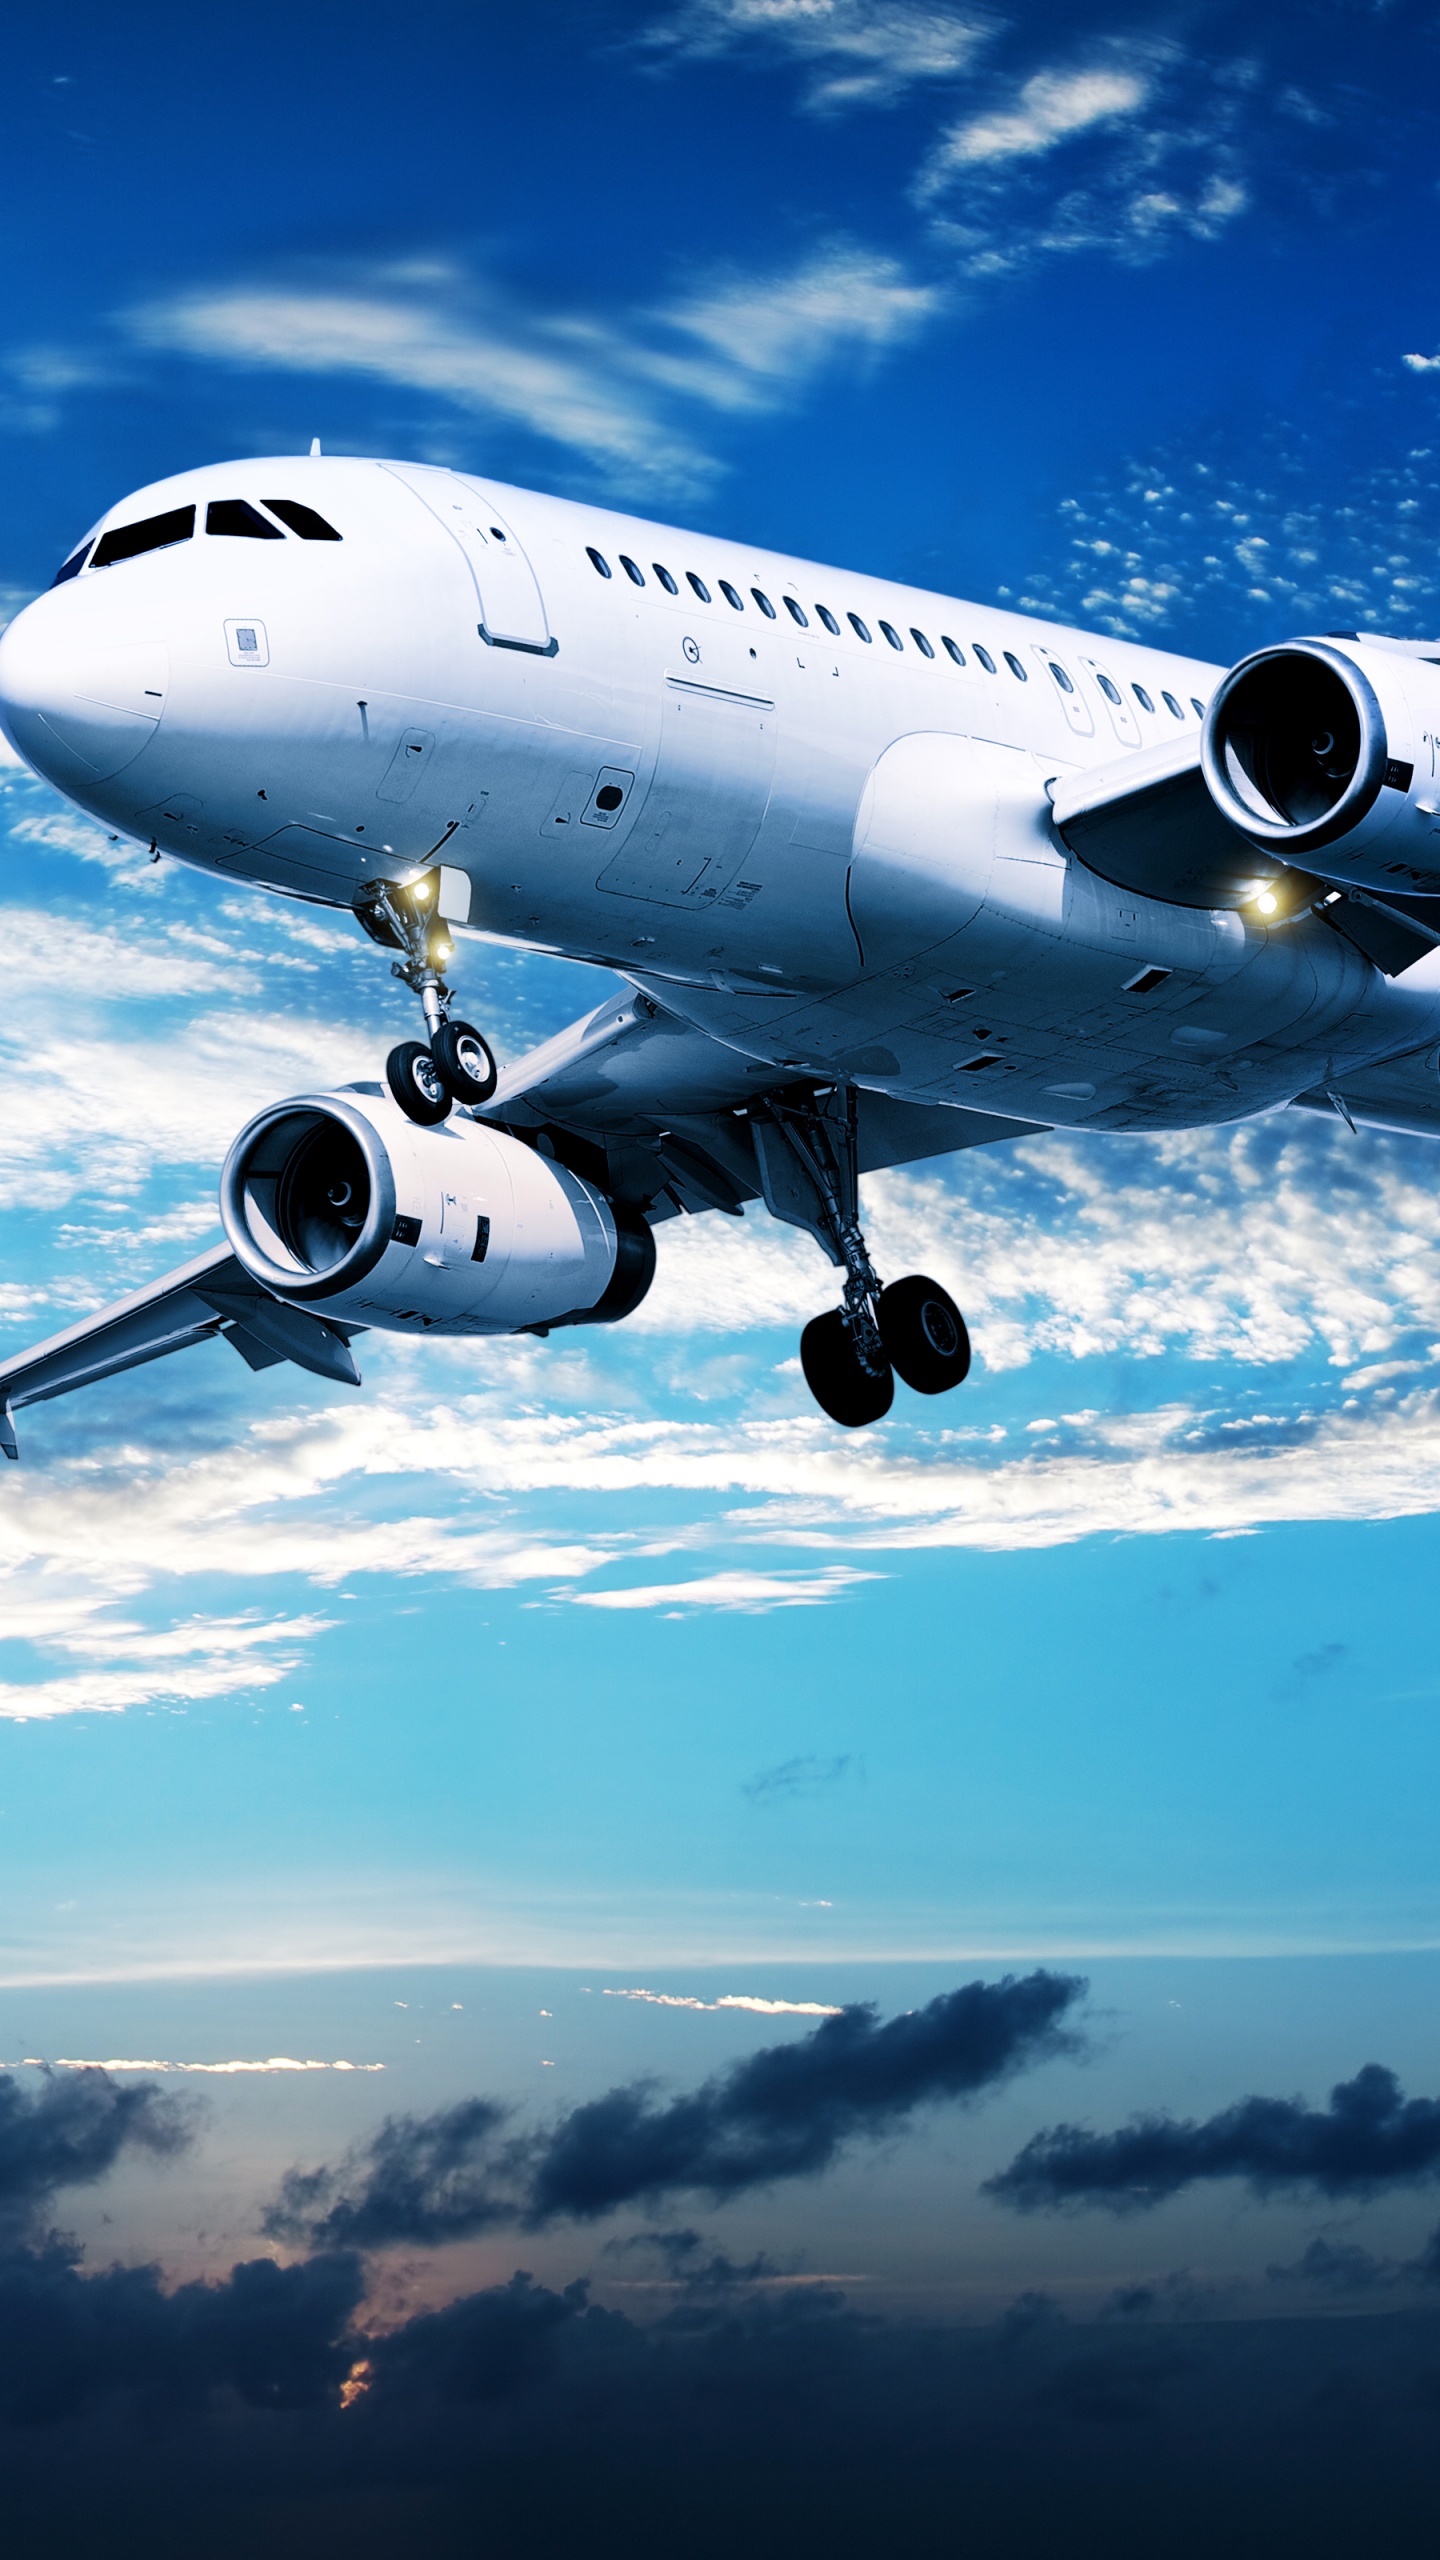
x: 337, y: 1201
x: 1324, y: 753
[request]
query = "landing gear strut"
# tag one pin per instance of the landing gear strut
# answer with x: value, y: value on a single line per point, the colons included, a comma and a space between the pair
x: 807, y: 1147
x: 455, y: 1062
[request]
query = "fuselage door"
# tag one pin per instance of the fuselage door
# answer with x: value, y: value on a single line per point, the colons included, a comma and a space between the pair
x: 512, y: 609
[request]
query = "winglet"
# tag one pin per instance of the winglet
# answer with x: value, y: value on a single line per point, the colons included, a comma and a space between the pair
x: 8, y: 1441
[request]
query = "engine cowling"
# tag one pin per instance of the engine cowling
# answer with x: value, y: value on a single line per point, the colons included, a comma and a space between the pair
x: 1324, y: 752
x: 336, y: 1201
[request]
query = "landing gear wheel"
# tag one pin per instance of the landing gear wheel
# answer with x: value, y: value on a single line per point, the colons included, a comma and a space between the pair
x: 466, y: 1062
x: 924, y: 1333
x: 415, y: 1081
x: 836, y: 1378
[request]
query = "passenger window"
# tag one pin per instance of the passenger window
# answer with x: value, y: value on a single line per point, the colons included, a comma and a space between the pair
x: 1142, y: 697
x: 72, y: 567
x: 828, y: 618
x: 236, y: 515
x: 597, y: 560
x: 1013, y: 663
x: 921, y: 643
x: 986, y: 661
x: 666, y: 581
x: 1110, y: 691
x: 764, y: 603
x: 797, y: 612
x: 1172, y: 705
x: 858, y: 627
x: 1197, y: 707
x: 635, y: 575
x: 731, y: 595
x: 952, y: 649
x: 1060, y: 676
x: 699, y: 586
x: 153, y: 533
x: 302, y: 520
x: 892, y: 636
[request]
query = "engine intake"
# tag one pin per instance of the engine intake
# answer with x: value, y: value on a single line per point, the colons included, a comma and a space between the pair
x: 1318, y: 752
x: 336, y: 1199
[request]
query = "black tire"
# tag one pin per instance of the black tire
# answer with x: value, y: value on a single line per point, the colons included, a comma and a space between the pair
x: 466, y: 1062
x: 835, y: 1377
x: 415, y: 1081
x: 924, y: 1333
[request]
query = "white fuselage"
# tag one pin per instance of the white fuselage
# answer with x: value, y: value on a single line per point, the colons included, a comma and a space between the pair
x: 828, y: 851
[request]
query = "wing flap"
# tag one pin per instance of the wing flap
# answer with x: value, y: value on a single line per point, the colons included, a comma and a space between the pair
x: 658, y: 1112
x: 209, y: 1296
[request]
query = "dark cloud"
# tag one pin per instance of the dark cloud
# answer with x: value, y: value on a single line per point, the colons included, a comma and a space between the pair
x: 784, y: 2112
x: 685, y: 2261
x: 425, y: 2179
x: 1368, y: 2138
x: 71, y: 2131
x: 273, y: 2336
x: 1338, y: 2266
x: 806, y: 1775
x: 1342, y: 2266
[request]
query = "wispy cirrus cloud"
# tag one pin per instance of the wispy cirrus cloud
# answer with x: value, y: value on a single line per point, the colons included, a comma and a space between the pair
x: 1051, y: 108
x: 752, y: 1592
x: 857, y: 53
x: 627, y: 393
x: 1121, y: 154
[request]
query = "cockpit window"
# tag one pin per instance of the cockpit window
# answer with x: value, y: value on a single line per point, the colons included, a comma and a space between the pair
x: 152, y: 533
x: 72, y: 567
x: 304, y: 520
x: 236, y: 515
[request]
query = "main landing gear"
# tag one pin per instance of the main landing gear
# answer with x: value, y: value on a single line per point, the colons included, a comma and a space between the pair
x: 456, y: 1063
x: 807, y: 1146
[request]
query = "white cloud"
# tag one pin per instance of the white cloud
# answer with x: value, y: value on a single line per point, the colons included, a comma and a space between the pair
x: 729, y: 2000
x: 210, y: 2070
x: 611, y: 391
x: 770, y: 333
x: 170, y: 1666
x: 1181, y: 534
x: 865, y: 53
x: 1148, y: 145
x: 444, y: 341
x: 751, y: 1592
x: 1050, y: 108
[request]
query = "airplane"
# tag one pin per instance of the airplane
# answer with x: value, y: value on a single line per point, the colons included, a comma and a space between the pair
x: 883, y: 874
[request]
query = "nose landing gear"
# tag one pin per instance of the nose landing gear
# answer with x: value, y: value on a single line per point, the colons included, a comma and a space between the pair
x: 807, y: 1148
x: 455, y: 1063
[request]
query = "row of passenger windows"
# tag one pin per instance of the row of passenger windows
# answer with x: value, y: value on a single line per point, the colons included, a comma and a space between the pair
x: 798, y: 614
x: 228, y: 516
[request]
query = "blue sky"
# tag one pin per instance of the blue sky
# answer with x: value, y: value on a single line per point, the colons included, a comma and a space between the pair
x: 535, y: 1673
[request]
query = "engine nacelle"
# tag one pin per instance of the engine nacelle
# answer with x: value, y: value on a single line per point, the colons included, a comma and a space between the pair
x: 336, y: 1201
x: 1325, y: 753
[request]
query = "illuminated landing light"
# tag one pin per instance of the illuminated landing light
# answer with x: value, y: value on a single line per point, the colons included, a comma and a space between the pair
x: 1266, y: 904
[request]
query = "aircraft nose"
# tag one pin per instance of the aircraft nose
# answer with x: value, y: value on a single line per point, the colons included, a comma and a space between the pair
x: 76, y: 703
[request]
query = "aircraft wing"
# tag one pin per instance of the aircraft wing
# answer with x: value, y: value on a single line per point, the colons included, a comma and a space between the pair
x: 657, y: 1112
x: 209, y: 1296
x: 1147, y: 822
x: 648, y: 1108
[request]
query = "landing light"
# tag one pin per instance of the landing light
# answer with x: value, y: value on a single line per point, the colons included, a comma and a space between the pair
x: 1266, y: 903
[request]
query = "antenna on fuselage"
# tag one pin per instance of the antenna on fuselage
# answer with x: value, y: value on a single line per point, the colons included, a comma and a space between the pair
x: 314, y: 448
